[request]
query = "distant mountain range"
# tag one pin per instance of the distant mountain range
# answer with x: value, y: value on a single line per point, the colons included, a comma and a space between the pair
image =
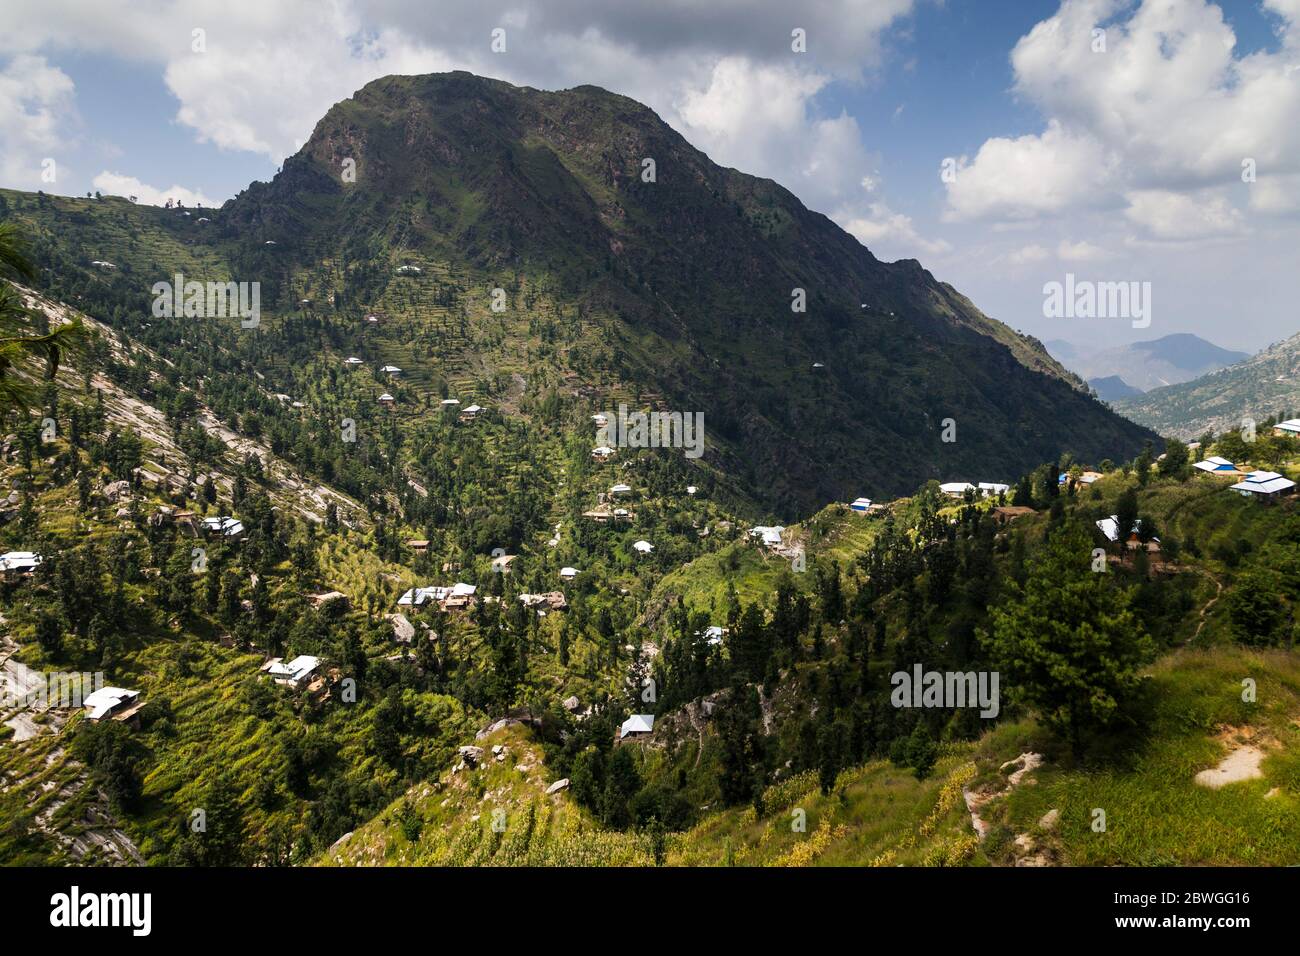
x: 1263, y: 385
x: 1129, y: 370
x: 1110, y: 388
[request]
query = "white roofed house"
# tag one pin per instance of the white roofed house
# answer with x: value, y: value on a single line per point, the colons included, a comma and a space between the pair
x: 861, y: 505
x: 1133, y: 540
x: 391, y: 370
x: 568, y: 574
x: 16, y: 565
x: 644, y: 547
x: 455, y: 597
x: 1264, y: 485
x: 621, y: 490
x: 449, y: 402
x: 770, y: 536
x: 115, y: 703
x: 956, y: 489
x: 352, y: 361
x: 387, y: 400
x: 602, y: 452
x: 713, y: 634
x: 470, y: 412
x: 638, y: 725
x: 225, y: 527
x: 1215, y: 465
x: 296, y: 673
x: 990, y: 489
x: 1290, y: 427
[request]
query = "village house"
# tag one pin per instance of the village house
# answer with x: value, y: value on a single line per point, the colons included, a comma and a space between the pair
x: 224, y: 526
x: 637, y: 726
x: 621, y: 490
x: 991, y: 489
x: 861, y: 505
x: 1264, y: 485
x: 470, y: 413
x: 956, y: 489
x: 549, y: 600
x: 1088, y: 477
x: 643, y: 547
x: 115, y: 703
x: 352, y: 361
x: 1003, y: 514
x: 1289, y: 428
x: 387, y: 400
x: 602, y: 453
x: 501, y: 563
x: 419, y: 545
x: 391, y: 370
x: 296, y: 674
x: 1219, y: 467
x: 1133, y: 540
x: 769, y: 536
x: 713, y: 634
x: 16, y: 565
x: 691, y: 489
x: 568, y: 574
x: 449, y: 403
x: 456, y: 597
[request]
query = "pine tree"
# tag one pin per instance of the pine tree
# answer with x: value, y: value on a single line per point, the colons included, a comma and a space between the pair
x: 1068, y: 643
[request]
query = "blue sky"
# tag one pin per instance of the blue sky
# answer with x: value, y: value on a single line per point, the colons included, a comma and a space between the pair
x: 1122, y: 164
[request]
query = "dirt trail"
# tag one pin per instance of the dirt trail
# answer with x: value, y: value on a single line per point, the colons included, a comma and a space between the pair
x: 1206, y: 609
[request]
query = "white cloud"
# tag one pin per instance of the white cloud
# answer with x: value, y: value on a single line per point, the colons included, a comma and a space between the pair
x: 116, y: 184
x: 36, y: 116
x: 890, y: 234
x: 1028, y: 177
x: 1081, y: 251
x: 1167, y: 215
x: 1027, y: 255
x: 1168, y: 107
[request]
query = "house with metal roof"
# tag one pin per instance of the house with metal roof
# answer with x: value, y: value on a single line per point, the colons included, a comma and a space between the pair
x: 1264, y: 484
x: 1215, y: 465
x: 638, y: 725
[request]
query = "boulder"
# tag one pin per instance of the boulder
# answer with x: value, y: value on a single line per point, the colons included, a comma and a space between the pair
x: 561, y: 784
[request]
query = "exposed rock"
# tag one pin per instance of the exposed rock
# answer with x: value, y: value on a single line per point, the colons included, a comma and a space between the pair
x: 1049, y: 819
x: 561, y: 784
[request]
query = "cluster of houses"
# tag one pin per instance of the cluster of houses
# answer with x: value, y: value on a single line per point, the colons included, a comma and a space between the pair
x: 1262, y: 485
x: 458, y: 597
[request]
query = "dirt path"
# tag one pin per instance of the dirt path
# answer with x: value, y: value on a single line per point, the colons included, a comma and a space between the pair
x: 1206, y: 609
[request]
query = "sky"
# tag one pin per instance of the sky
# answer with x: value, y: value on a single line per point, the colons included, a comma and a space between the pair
x: 1006, y: 144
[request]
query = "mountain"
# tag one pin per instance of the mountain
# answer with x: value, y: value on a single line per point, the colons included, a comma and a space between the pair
x: 1263, y: 385
x: 1151, y: 364
x: 674, y: 292
x: 1112, y: 387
